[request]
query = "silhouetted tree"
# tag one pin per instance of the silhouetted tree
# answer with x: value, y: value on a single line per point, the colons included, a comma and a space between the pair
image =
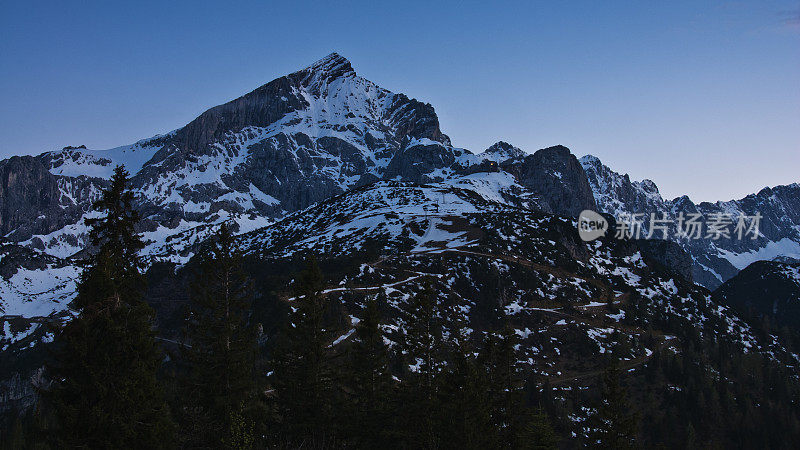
x: 219, y: 383
x: 370, y: 381
x: 303, y: 373
x: 104, y: 392
x: 423, y: 351
x: 616, y: 423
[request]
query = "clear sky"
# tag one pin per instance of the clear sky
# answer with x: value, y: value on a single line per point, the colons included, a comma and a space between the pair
x: 703, y: 97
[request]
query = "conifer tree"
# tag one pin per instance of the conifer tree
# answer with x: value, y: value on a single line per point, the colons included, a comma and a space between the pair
x: 533, y: 431
x: 370, y: 381
x: 303, y: 376
x: 514, y: 424
x: 466, y: 414
x: 105, y: 393
x: 423, y: 354
x: 219, y: 383
x: 616, y: 424
x: 500, y: 363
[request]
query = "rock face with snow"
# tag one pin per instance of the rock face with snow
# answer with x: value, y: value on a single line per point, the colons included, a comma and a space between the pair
x: 616, y: 194
x: 317, y: 133
x: 292, y: 142
x: 30, y: 200
x: 503, y: 151
x: 668, y: 254
x: 714, y: 260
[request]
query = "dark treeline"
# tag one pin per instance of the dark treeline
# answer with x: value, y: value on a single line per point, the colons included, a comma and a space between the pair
x: 111, y: 385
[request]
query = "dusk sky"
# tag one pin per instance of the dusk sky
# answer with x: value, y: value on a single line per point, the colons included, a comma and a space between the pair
x: 701, y: 97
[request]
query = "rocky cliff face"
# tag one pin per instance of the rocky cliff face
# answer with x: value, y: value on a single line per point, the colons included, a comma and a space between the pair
x: 502, y: 151
x: 617, y: 194
x: 292, y: 142
x: 668, y: 254
x: 556, y: 177
x: 31, y: 201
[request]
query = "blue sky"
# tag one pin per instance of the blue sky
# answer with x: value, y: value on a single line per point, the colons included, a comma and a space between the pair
x: 701, y: 97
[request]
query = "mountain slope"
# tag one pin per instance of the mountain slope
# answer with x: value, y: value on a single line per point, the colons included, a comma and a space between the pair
x: 765, y: 289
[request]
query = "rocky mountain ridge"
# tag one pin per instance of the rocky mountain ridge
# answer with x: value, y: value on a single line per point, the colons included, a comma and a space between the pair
x: 315, y: 134
x: 715, y: 260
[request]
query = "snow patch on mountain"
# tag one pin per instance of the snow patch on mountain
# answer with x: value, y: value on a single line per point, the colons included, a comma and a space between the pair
x: 79, y: 161
x: 784, y: 247
x: 38, y: 293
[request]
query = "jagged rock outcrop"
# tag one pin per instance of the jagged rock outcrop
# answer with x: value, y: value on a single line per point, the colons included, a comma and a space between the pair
x: 14, y: 257
x: 556, y: 177
x: 615, y: 193
x: 293, y: 142
x: 424, y: 162
x: 668, y: 254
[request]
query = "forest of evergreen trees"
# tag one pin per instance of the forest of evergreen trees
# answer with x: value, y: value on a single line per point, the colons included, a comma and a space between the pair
x: 112, y: 384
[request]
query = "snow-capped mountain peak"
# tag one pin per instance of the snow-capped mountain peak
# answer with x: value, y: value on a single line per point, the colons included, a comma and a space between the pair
x: 502, y: 151
x: 329, y: 68
x: 289, y: 143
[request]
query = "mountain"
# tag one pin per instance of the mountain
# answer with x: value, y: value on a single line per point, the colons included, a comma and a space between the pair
x: 714, y: 260
x: 324, y: 161
x: 765, y: 289
x: 317, y: 133
x: 290, y: 143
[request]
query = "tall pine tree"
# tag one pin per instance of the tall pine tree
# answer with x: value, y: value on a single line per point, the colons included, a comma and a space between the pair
x: 514, y: 423
x: 370, y: 381
x: 219, y: 396
x: 105, y: 393
x: 615, y: 423
x: 465, y: 401
x: 423, y: 348
x: 303, y: 373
